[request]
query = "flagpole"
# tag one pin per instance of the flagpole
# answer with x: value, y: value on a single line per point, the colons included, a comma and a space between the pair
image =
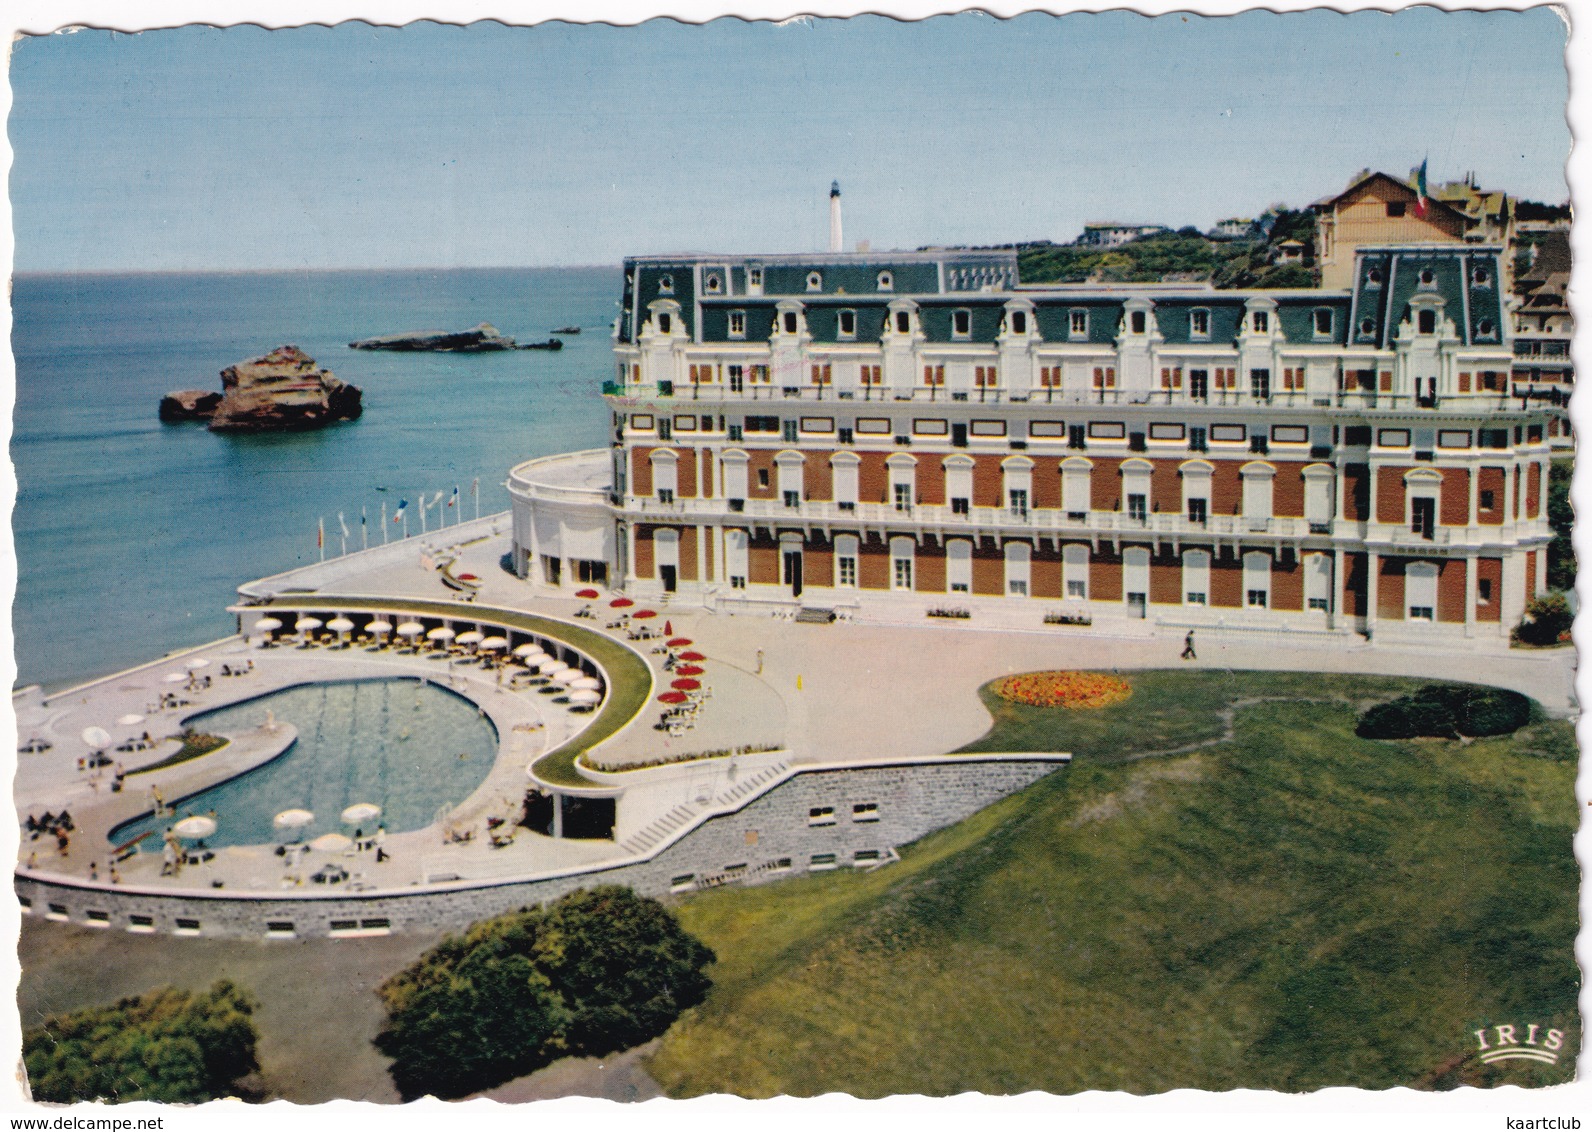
x: 422, y: 513
x: 384, y: 522
x: 320, y: 537
x: 475, y: 490
x: 364, y: 531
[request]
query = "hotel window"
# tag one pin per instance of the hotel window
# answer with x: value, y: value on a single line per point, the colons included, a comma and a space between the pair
x: 959, y: 484
x: 846, y: 561
x: 1019, y: 322
x: 1318, y: 582
x: 903, y: 322
x: 1105, y: 377
x: 1018, y: 481
x: 1198, y: 384
x: 1483, y: 591
x: 1395, y: 208
x: 735, y: 558
x: 848, y: 324
x: 865, y: 811
x: 886, y: 281
x: 1136, y: 580
x: 789, y: 322
x: 665, y: 323
x: 664, y: 475
x: 843, y: 480
x: 1075, y: 487
x: 666, y: 285
x: 1480, y: 277
x: 1426, y: 322
x: 1293, y: 381
x: 1428, y: 278
x: 1260, y: 322
x: 901, y: 552
x: 961, y: 323
x: 1257, y: 495
x: 1226, y: 377
x: 821, y: 373
x: 815, y: 281
x: 737, y: 379
x: 1196, y: 577
x: 715, y: 285
x: 754, y: 277
x: 821, y: 815
x: 1420, y: 590
x: 933, y: 375
x: 1171, y: 377
x: 1050, y: 377
x: 1077, y: 323
x: 737, y: 324
x: 1075, y: 571
x: 1199, y: 323
x: 1137, y: 322
x: 1257, y: 580
x: 1323, y: 322
x: 871, y: 375
x: 958, y: 566
x: 984, y: 377
x: 1320, y: 501
x: 700, y: 375
x: 1017, y: 561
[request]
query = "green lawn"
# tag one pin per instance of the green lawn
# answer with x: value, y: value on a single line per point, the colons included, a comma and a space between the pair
x: 629, y: 678
x: 1294, y: 909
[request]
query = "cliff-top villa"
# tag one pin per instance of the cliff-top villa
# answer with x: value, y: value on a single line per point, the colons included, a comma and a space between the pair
x: 843, y: 491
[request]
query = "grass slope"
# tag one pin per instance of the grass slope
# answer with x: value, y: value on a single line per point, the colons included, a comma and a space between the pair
x: 1292, y: 909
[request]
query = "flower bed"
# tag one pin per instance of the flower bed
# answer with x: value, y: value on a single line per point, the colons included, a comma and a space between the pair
x: 1073, y: 690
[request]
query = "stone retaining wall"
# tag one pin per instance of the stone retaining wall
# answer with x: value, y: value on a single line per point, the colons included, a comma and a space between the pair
x: 818, y: 819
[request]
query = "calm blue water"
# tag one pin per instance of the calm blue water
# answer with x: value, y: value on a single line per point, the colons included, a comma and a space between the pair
x: 131, y: 535
x: 409, y: 747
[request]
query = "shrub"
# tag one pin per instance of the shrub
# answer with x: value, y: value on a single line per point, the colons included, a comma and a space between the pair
x: 1547, y: 617
x: 168, y: 1045
x: 1446, y: 711
x: 594, y: 972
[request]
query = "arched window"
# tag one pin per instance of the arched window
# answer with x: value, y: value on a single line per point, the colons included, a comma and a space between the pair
x: 1257, y: 495
x: 1196, y: 577
x: 1422, y: 489
x: 1257, y: 580
x: 1017, y: 473
x: 1075, y: 489
x: 902, y: 552
x: 1318, y: 582
x: 1197, y: 491
x: 846, y: 547
x: 666, y: 285
x: 903, y: 481
x: 815, y: 281
x: 959, y: 484
x: 715, y: 284
x: 735, y: 558
x: 665, y: 475
x: 1136, y: 580
x: 1136, y: 491
x: 843, y: 479
x: 1320, y: 497
x: 1426, y: 322
x: 886, y: 281
x: 1075, y: 570
x: 790, y: 466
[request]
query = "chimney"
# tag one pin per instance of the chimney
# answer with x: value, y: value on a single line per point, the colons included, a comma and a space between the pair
x: 836, y: 242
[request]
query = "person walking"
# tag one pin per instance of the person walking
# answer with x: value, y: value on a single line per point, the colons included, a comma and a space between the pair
x: 1188, y: 646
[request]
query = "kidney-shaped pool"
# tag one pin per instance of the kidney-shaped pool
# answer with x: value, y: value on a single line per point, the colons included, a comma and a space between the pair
x: 414, y: 749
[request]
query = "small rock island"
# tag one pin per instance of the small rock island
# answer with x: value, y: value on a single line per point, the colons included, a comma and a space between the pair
x: 481, y: 338
x: 282, y: 391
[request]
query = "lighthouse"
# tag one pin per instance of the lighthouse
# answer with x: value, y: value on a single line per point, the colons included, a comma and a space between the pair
x: 836, y: 242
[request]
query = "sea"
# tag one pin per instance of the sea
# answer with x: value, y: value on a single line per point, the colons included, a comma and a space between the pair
x: 132, y: 536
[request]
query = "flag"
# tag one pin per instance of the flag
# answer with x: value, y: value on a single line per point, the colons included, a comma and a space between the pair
x: 436, y: 499
x: 399, y: 514
x: 454, y: 498
x: 1420, y: 189
x: 320, y: 532
x: 362, y: 516
x: 342, y: 524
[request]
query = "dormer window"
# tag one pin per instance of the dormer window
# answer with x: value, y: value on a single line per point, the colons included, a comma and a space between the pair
x: 1426, y: 322
x: 789, y: 319
x: 1395, y: 207
x: 754, y: 277
x: 1480, y: 277
x: 903, y: 322
x: 1484, y: 328
x: 848, y: 324
x: 886, y: 281
x: 1373, y: 277
x: 737, y: 324
x: 1199, y: 323
x: 961, y: 323
x: 1136, y: 322
x: 1019, y: 322
x: 665, y: 284
x: 815, y: 281
x: 1427, y: 277
x: 665, y: 323
x: 1077, y: 323
x: 715, y: 284
x: 1367, y: 327
x: 1323, y: 322
x: 1259, y: 322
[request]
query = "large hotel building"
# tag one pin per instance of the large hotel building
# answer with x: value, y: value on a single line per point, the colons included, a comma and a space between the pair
x: 840, y: 430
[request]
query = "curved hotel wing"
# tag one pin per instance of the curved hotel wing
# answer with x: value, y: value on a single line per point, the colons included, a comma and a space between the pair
x: 856, y: 430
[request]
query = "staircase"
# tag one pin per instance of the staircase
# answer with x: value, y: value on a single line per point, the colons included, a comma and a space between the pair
x: 660, y: 830
x: 811, y: 615
x: 655, y: 835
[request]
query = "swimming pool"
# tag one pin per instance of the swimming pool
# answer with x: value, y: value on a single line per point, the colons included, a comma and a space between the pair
x: 414, y: 749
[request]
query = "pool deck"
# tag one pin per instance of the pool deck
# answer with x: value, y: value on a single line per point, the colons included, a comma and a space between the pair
x: 890, y: 683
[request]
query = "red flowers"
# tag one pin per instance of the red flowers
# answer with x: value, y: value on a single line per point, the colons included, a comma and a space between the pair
x: 1073, y: 690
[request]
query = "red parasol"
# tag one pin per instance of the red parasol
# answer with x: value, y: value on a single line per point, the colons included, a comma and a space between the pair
x: 668, y: 628
x: 673, y: 698
x: 587, y: 594
x: 685, y: 685
x: 689, y: 670
x: 692, y: 656
x: 643, y: 614
x: 679, y: 642
x: 620, y: 603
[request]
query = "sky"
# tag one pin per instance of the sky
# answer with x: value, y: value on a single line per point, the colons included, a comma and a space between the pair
x: 485, y: 145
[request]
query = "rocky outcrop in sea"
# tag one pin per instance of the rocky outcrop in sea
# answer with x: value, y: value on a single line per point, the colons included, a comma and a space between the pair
x: 282, y: 391
x: 479, y: 339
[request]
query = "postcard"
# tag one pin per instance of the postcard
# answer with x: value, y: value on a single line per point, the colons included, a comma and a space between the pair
x: 785, y: 557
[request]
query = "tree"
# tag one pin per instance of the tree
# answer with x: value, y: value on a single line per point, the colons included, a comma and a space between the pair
x: 1561, y: 517
x: 594, y: 972
x: 1547, y: 621
x: 166, y: 1045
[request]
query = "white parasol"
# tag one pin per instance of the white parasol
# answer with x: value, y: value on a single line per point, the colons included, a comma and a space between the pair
x: 379, y: 627
x: 195, y: 827
x: 440, y: 633
x: 586, y: 682
x: 340, y: 625
x: 492, y: 644
x: 361, y: 812
x: 97, y: 737
x: 292, y: 819
x: 130, y: 719
x: 331, y: 842
x: 177, y: 677
x: 307, y: 624
x: 529, y: 650
x: 411, y: 629
x: 267, y: 625
x: 585, y: 696
x: 472, y: 637
x: 197, y: 662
